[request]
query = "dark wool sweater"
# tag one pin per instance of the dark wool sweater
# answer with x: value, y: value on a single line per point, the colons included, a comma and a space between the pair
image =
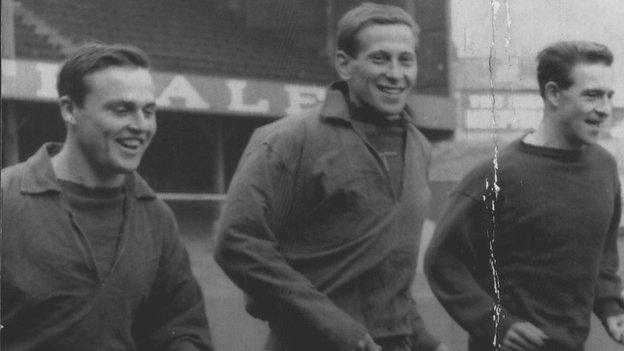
x: 556, y: 219
x: 99, y: 213
x: 388, y: 141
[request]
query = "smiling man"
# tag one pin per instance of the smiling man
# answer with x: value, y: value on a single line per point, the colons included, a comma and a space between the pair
x: 91, y: 259
x: 552, y: 211
x: 322, y: 222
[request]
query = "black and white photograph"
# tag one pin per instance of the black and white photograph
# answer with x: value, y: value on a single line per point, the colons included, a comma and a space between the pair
x: 312, y: 175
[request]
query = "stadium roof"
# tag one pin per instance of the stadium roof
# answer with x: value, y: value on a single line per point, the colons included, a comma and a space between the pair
x: 193, y: 36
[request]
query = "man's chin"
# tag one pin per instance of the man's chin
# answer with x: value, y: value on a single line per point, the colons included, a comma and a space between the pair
x: 587, y: 142
x: 126, y: 168
x: 592, y: 142
x: 393, y: 112
x: 591, y: 139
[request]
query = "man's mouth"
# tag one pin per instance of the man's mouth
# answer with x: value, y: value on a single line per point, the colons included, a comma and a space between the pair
x: 131, y: 143
x: 593, y: 122
x: 390, y: 90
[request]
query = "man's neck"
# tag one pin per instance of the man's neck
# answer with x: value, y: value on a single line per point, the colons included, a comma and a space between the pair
x: 69, y: 165
x: 547, y: 135
x: 368, y: 115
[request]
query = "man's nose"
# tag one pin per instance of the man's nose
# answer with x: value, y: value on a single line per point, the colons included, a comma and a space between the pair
x: 393, y: 70
x: 604, y: 107
x: 141, y: 121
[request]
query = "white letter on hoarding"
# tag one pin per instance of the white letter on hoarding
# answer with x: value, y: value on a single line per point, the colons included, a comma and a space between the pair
x: 478, y: 119
x: 9, y: 68
x: 478, y: 101
x: 9, y: 75
x: 303, y: 97
x: 180, y: 88
x: 47, y: 76
x: 237, y: 102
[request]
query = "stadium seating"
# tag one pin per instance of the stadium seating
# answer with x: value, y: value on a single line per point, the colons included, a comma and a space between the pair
x: 199, y: 37
x: 31, y: 45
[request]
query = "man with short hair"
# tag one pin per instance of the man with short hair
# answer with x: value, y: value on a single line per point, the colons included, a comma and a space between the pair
x: 91, y: 259
x: 322, y: 222
x: 546, y: 220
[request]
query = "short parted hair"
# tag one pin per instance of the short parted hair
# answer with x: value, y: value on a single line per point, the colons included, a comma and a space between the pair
x: 91, y: 57
x: 556, y: 62
x: 365, y: 15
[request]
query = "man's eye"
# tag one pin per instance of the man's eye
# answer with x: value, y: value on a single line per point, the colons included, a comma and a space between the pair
x: 149, y: 112
x: 377, y: 58
x: 594, y: 94
x: 407, y: 60
x: 120, y: 110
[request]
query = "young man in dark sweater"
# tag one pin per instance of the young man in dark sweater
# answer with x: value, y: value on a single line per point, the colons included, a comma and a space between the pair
x: 526, y: 250
x: 91, y: 259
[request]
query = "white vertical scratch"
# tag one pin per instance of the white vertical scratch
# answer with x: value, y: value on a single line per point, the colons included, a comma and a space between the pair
x: 493, y: 189
x: 508, y: 32
x: 508, y: 44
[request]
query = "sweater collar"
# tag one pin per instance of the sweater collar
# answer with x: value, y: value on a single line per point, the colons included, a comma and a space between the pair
x: 39, y: 177
x: 561, y: 154
x: 336, y: 106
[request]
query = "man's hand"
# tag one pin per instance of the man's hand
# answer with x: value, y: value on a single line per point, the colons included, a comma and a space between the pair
x: 442, y: 347
x: 523, y: 336
x: 367, y: 344
x: 615, y: 327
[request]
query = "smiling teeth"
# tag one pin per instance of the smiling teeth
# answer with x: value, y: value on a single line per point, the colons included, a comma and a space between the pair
x: 391, y: 90
x: 131, y: 143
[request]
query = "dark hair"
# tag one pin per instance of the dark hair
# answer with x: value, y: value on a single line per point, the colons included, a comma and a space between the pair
x: 368, y: 14
x: 91, y: 57
x: 556, y: 61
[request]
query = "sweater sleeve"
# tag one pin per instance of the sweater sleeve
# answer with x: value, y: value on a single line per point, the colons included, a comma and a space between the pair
x: 609, y: 300
x: 457, y: 267
x: 174, y: 316
x: 259, y: 202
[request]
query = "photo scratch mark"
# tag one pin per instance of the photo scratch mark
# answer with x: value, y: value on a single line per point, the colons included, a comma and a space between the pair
x: 508, y: 32
x: 508, y: 53
x: 492, y: 190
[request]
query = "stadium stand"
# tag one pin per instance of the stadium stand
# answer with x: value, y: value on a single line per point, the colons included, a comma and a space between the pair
x: 199, y: 37
x: 32, y: 45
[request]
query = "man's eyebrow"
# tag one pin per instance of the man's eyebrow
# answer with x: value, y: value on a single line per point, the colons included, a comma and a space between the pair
x: 120, y: 102
x: 129, y: 103
x: 596, y: 91
x: 378, y: 52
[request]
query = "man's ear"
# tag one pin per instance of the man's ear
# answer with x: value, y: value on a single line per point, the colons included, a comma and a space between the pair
x: 343, y: 65
x: 552, y: 93
x: 68, y: 109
